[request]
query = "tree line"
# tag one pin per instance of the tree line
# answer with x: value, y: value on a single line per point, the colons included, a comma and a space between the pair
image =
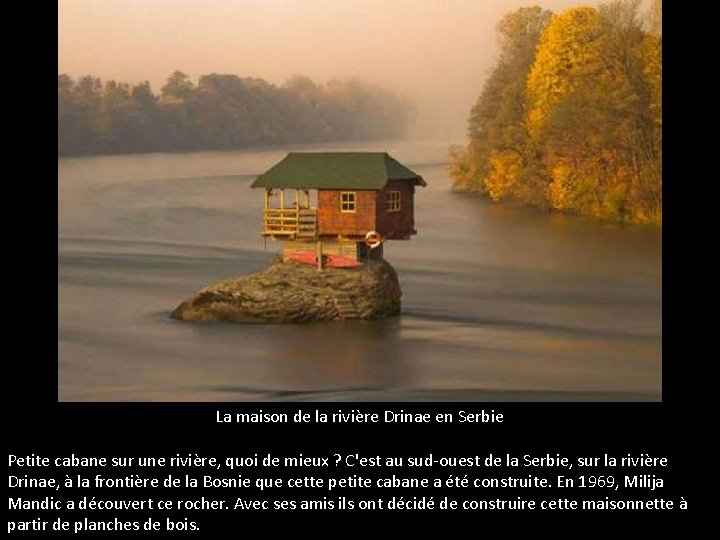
x: 570, y: 117
x: 220, y: 112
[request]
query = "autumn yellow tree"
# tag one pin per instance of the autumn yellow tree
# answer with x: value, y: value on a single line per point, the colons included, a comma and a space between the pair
x: 584, y: 133
x: 590, y: 105
x: 564, y: 117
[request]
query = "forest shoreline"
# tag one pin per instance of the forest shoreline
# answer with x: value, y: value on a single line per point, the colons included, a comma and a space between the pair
x: 570, y: 118
x: 221, y: 111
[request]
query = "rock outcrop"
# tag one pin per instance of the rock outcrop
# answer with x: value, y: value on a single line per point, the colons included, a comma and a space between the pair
x: 292, y: 292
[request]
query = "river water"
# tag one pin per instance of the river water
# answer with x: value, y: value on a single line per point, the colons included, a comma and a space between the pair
x: 498, y: 303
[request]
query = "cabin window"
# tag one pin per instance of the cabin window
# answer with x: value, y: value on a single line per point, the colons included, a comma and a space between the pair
x: 347, y: 201
x: 393, y: 201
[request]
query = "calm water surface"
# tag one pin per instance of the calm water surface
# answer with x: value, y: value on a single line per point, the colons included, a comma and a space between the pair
x: 498, y: 303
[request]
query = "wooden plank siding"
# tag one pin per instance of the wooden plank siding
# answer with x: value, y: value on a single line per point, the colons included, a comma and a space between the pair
x: 333, y: 222
x: 346, y: 248
x: 396, y: 225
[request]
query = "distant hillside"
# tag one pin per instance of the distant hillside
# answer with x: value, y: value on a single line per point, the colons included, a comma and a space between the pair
x: 220, y: 112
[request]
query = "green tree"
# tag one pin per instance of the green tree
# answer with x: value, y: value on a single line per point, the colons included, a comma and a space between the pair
x: 68, y: 129
x: 86, y: 108
x: 222, y: 111
x: 178, y: 87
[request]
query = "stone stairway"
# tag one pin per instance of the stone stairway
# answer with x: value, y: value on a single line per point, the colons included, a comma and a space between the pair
x: 345, y: 306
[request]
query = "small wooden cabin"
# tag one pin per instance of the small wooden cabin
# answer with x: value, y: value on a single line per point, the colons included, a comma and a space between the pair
x: 335, y: 199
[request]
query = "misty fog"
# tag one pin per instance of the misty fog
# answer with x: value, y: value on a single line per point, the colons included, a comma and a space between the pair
x: 435, y: 52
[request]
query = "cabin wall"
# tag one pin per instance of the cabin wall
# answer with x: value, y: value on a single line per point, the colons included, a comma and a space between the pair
x: 397, y: 225
x: 331, y: 221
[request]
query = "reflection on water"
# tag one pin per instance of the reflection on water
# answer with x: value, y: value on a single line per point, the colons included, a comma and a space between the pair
x: 498, y: 303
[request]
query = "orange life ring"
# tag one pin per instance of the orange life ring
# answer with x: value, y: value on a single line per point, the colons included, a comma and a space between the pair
x: 373, y: 239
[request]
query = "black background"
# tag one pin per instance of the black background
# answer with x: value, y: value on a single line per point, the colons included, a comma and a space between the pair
x: 37, y: 423
x: 573, y: 430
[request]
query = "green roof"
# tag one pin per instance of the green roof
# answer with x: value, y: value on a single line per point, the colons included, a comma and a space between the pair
x: 336, y: 170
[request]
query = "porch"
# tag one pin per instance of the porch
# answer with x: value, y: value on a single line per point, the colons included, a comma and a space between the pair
x: 296, y: 220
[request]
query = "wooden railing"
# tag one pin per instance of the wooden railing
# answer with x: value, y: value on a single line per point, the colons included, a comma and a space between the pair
x: 290, y: 222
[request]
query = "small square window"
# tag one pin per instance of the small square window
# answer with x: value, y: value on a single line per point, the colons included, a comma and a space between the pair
x: 347, y: 201
x: 393, y: 201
